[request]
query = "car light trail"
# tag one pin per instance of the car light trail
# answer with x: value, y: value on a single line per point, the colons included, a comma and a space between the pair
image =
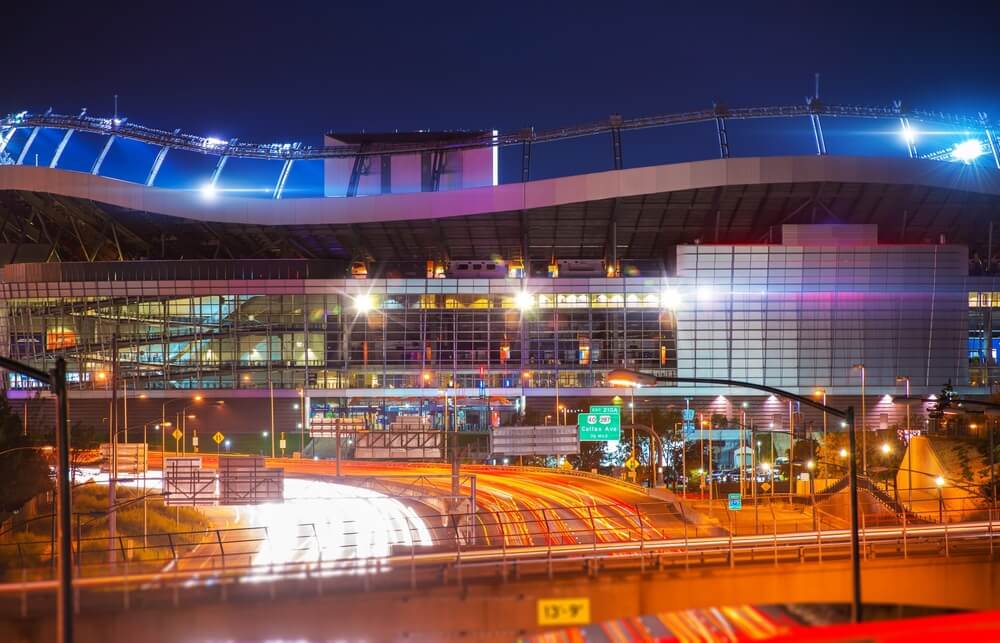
x: 322, y: 521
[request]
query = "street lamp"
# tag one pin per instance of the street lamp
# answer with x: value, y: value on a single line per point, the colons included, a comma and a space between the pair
x: 909, y: 435
x: 821, y: 393
x: 864, y: 423
x: 939, y: 483
x: 163, y: 415
x: 627, y: 377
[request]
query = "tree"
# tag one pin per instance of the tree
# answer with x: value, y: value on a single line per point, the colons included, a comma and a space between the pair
x: 591, y: 456
x: 882, y: 465
x: 24, y: 472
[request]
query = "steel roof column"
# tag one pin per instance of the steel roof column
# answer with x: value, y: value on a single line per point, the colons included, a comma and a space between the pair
x: 282, y: 178
x: 104, y: 152
x: 62, y: 144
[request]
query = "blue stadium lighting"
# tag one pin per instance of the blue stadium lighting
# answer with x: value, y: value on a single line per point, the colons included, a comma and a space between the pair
x: 909, y: 134
x: 208, y: 191
x: 968, y: 151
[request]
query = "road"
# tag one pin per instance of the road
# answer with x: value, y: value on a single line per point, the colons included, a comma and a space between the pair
x: 515, y: 506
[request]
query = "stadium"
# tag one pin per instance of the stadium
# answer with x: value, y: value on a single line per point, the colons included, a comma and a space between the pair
x: 841, y: 251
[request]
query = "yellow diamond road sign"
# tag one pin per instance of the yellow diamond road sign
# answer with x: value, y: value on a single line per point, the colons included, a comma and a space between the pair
x: 177, y: 434
x: 218, y: 437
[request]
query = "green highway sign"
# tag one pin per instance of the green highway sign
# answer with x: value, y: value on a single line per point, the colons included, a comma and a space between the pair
x: 598, y: 427
x: 606, y: 410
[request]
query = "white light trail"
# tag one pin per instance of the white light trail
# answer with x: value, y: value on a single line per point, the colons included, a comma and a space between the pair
x: 322, y: 522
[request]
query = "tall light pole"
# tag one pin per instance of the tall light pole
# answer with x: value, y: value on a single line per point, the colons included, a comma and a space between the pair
x: 821, y: 393
x: 624, y: 377
x: 163, y: 418
x: 864, y: 421
x: 56, y: 381
x: 302, y: 424
x: 909, y: 435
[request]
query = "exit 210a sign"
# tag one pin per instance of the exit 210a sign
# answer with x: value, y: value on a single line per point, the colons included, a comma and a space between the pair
x: 599, y: 427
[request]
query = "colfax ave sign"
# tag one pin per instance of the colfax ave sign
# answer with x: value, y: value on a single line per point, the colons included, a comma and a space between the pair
x: 600, y: 424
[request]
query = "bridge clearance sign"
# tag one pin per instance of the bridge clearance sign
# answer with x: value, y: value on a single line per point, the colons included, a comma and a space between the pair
x: 602, y: 423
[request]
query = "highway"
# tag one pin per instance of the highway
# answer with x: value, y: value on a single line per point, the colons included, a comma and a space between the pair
x: 515, y: 506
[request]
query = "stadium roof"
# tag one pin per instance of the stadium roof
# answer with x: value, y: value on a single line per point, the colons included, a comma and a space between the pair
x: 644, y: 211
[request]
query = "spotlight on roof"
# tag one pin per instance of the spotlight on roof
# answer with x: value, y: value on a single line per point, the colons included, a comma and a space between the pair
x: 967, y: 151
x: 909, y: 134
x: 208, y: 191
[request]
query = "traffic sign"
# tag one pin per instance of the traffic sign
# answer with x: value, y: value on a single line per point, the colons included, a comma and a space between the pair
x: 606, y: 410
x: 218, y: 438
x: 564, y: 611
x: 598, y: 427
x: 631, y: 464
x: 178, y: 434
x: 735, y: 502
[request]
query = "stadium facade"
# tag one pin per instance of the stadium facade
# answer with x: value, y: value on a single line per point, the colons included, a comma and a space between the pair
x: 813, y: 273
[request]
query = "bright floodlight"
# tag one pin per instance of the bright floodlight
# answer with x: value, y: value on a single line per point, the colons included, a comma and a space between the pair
x: 363, y: 303
x: 967, y: 151
x: 208, y: 191
x: 670, y: 300
x: 939, y: 481
x: 524, y: 300
x: 909, y: 134
x: 886, y: 448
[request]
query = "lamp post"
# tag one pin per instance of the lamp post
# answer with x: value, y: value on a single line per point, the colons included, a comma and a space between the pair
x: 625, y: 377
x: 939, y: 483
x: 821, y: 393
x: 909, y: 435
x: 56, y: 381
x: 163, y: 416
x: 302, y: 425
x: 864, y: 421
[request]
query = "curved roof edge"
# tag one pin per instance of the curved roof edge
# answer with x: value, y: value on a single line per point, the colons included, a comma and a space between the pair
x: 506, y: 197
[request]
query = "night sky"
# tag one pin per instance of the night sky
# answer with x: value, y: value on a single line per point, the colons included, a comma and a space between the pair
x: 269, y: 71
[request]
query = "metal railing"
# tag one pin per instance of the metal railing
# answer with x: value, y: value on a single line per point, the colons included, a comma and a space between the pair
x: 225, y: 561
x: 347, y: 545
x: 296, y: 151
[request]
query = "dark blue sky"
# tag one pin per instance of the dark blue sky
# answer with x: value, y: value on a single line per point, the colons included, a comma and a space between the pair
x: 290, y: 70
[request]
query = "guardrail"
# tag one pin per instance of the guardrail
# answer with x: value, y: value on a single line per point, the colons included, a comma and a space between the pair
x: 220, y: 569
x: 593, y: 526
